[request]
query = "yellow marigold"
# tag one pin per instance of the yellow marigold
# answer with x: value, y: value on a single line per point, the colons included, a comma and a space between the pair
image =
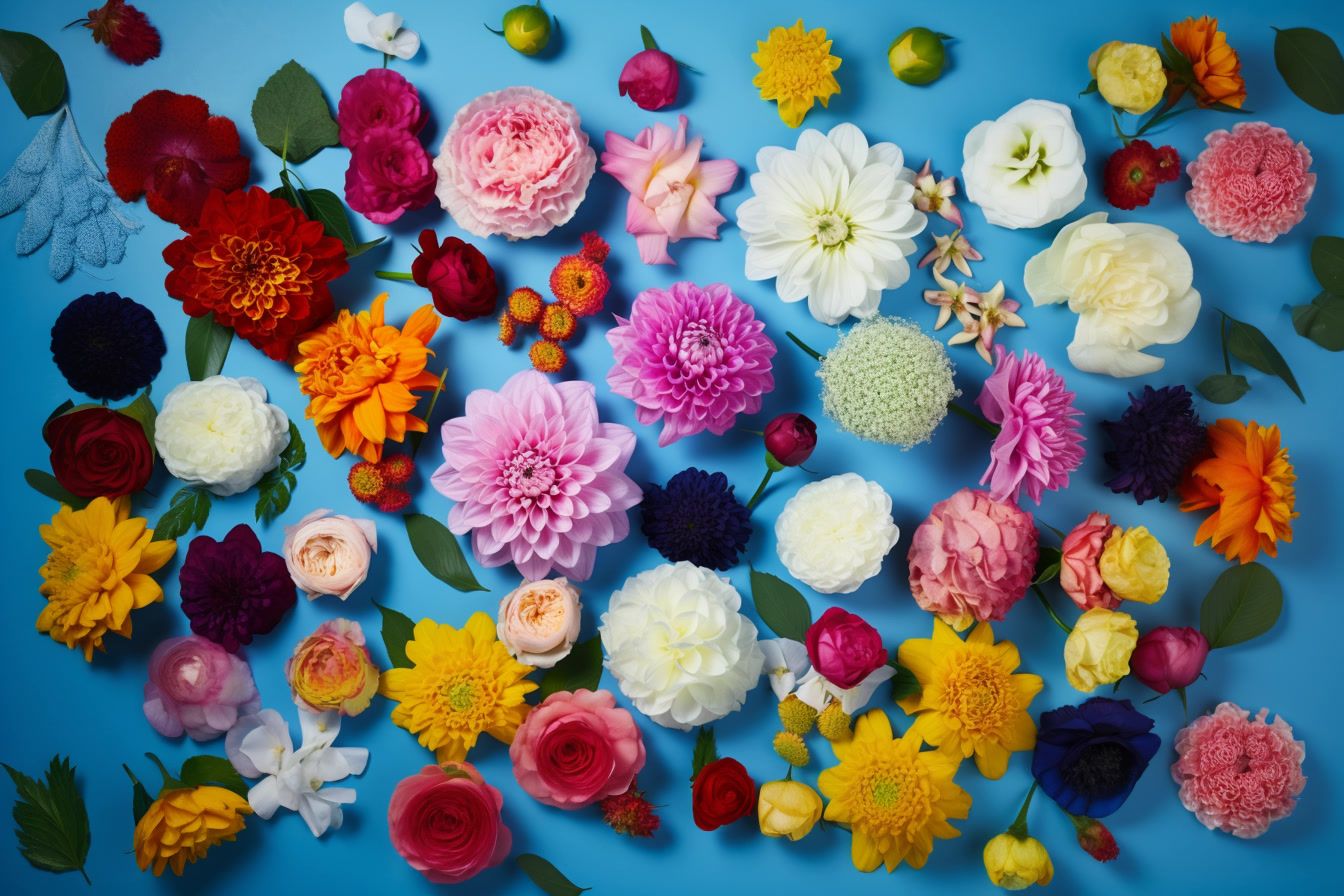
x: 360, y: 374
x: 98, y: 571
x: 181, y: 825
x: 462, y: 683
x: 797, y: 69
x: 1216, y: 66
x: 1134, y: 565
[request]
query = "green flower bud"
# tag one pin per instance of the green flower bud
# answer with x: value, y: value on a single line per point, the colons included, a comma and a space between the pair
x: 527, y: 29
x: 917, y: 56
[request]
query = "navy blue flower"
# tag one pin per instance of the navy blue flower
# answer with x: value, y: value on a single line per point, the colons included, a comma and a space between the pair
x: 1155, y: 440
x: 106, y: 346
x: 1088, y: 758
x: 695, y: 517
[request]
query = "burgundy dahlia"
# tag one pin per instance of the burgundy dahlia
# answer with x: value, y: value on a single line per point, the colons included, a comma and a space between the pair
x: 232, y: 590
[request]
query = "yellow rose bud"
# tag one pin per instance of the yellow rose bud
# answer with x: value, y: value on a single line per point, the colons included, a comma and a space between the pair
x: 1016, y: 863
x: 1129, y: 76
x: 787, y: 809
x: 1098, y: 648
x: 1135, y: 565
x: 917, y: 56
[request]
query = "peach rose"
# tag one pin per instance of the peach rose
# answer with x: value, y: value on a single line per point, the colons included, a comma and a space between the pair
x: 328, y: 553
x: 331, y: 669
x: 1079, y: 568
x: 539, y: 621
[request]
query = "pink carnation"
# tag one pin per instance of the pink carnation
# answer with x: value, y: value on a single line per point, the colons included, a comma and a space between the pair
x: 379, y: 98
x: 514, y: 162
x: 198, y: 687
x: 1236, y: 773
x: 537, y: 479
x: 390, y: 173
x: 972, y: 559
x: 576, y: 748
x: 1079, y: 566
x: 1251, y: 184
x: 693, y: 357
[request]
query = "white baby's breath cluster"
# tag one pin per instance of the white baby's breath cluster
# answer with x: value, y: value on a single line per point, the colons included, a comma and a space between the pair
x: 220, y: 433
x: 834, y: 534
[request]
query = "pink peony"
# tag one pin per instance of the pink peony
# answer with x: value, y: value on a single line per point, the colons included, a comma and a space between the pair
x: 1236, y: 773
x: 1169, y: 658
x: 1251, y: 184
x: 537, y: 479
x: 198, y: 687
x: 972, y: 559
x: 1038, y: 444
x: 390, y: 173
x: 577, y: 748
x: 672, y: 191
x: 844, y: 648
x: 651, y: 78
x: 514, y: 162
x: 445, y: 822
x: 379, y: 98
x: 1079, y: 567
x: 693, y: 357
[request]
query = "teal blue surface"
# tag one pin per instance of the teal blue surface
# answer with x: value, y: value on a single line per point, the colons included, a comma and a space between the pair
x: 52, y: 701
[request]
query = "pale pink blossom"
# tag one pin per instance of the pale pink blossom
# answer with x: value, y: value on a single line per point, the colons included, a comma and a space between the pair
x: 328, y: 553
x: 934, y: 196
x: 539, y: 622
x: 951, y: 249
x: 1080, y: 564
x: 995, y: 312
x: 196, y: 686
x: 952, y: 300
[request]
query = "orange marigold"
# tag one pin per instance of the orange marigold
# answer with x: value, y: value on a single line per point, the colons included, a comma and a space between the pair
x: 1216, y: 65
x: 557, y: 322
x: 580, y: 284
x: 525, y: 305
x: 181, y: 826
x: 508, y: 329
x: 547, y: 356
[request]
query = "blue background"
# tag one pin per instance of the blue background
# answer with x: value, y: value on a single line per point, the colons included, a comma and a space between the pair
x: 51, y: 701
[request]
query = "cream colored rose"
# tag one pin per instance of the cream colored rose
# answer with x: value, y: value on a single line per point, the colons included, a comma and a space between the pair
x: 328, y: 553
x: 220, y: 433
x: 1098, y: 649
x: 539, y: 621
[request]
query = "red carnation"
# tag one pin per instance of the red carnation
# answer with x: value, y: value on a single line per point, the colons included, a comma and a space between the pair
x: 457, y: 275
x: 1132, y: 175
x: 126, y: 31
x: 722, y: 793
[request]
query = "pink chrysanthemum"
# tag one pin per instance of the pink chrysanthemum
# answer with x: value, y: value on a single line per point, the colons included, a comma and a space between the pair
x: 694, y: 357
x: 1039, y: 444
x: 1251, y: 183
x: 1239, y: 774
x: 537, y: 479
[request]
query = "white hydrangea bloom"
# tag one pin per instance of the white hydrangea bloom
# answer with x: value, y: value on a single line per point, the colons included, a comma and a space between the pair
x: 1025, y: 168
x: 834, y: 534
x: 220, y: 433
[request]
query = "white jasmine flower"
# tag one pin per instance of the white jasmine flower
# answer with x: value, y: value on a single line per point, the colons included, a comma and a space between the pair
x: 1025, y: 168
x: 816, y: 691
x: 381, y: 32
x: 785, y: 660
x: 834, y: 534
x: 220, y: 433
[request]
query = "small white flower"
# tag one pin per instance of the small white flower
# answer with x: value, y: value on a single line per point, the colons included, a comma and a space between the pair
x: 833, y: 535
x: 220, y: 433
x: 381, y: 32
x: 785, y: 660
x: 1025, y: 168
x: 816, y: 691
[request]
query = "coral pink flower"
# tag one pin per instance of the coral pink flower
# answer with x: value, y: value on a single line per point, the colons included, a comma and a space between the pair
x: 198, y: 687
x: 445, y: 822
x: 1079, y: 566
x: 390, y: 173
x: 537, y: 479
x: 576, y: 748
x: 1251, y: 184
x: 379, y: 98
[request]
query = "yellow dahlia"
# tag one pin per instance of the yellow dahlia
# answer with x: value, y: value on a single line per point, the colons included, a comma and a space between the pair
x: 462, y: 683
x: 797, y: 69
x: 181, y: 825
x: 894, y: 798
x: 98, y: 572
x: 970, y: 702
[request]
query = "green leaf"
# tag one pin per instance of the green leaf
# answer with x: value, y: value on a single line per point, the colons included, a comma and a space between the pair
x: 1244, y: 603
x: 1322, y: 321
x: 1253, y: 347
x: 207, y: 346
x: 647, y: 36
x: 275, y: 489
x: 1090, y: 88
x: 63, y: 408
x: 142, y: 411
x: 1177, y: 61
x: 545, y: 876
x: 1047, y: 565
x: 1327, y: 263
x: 1223, y: 388
x: 188, y: 509
x: 140, y: 798
x: 291, y: 115
x: 706, y: 751
x: 581, y: 669
x: 397, y: 630
x: 438, y: 551
x: 201, y: 770
x: 1312, y: 67
x: 327, y: 209
x: 53, y: 823
x: 361, y: 248
x: 903, y: 683
x: 33, y: 71
x: 780, y: 606
x: 44, y: 483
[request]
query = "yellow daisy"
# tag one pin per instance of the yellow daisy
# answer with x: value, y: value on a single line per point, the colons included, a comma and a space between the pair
x: 462, y: 683
x: 797, y: 69
x: 894, y: 798
x: 970, y: 703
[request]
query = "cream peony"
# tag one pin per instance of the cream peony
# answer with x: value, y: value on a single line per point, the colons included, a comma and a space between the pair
x: 1025, y: 168
x: 1130, y: 285
x: 220, y: 433
x: 539, y: 621
x: 834, y: 534
x: 679, y: 647
x: 328, y: 553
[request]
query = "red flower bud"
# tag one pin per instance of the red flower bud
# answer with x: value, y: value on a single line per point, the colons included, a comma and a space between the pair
x: 790, y: 439
x: 1095, y: 838
x: 651, y: 79
x: 457, y: 275
x: 1169, y: 658
x: 844, y: 648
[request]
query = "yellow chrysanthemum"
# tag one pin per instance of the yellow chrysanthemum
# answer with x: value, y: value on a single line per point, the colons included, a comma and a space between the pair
x: 894, y: 798
x: 462, y: 683
x: 181, y: 825
x: 797, y: 69
x: 970, y: 702
x: 98, y: 571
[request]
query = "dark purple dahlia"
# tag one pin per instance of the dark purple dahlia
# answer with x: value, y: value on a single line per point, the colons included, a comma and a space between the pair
x: 232, y: 590
x: 696, y: 517
x: 1154, y: 441
x: 107, y: 346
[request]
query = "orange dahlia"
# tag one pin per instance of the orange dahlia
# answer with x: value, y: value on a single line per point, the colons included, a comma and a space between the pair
x: 1248, y: 479
x: 360, y: 375
x: 1217, y: 69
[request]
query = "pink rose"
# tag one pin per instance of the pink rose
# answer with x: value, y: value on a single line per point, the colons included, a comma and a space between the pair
x: 1169, y: 658
x: 328, y: 553
x: 389, y: 174
x: 379, y: 98
x: 332, y: 669
x: 198, y: 687
x: 650, y: 78
x: 1079, y: 567
x: 444, y: 821
x: 577, y: 748
x: 844, y: 648
x: 539, y: 621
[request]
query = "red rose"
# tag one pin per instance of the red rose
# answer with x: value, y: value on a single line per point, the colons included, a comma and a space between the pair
x: 722, y: 793
x: 844, y: 648
x: 457, y: 275
x: 445, y: 823
x: 99, y: 452
x: 790, y: 439
x: 651, y: 79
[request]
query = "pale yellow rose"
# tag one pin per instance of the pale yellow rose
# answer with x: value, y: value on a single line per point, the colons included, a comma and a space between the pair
x: 1016, y: 863
x: 539, y: 621
x: 1129, y: 76
x: 787, y: 809
x: 1135, y: 566
x: 1098, y: 648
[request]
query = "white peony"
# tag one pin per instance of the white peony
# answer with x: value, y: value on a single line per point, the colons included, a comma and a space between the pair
x: 1130, y: 284
x: 834, y: 534
x: 220, y: 433
x: 679, y: 647
x: 832, y: 221
x: 1025, y: 168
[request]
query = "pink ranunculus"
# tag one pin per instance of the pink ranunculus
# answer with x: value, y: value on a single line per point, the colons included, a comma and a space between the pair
x: 651, y: 78
x: 514, y: 162
x: 844, y: 648
x: 539, y: 621
x: 198, y: 687
x: 332, y: 669
x: 1079, y: 565
x: 576, y: 748
x: 1168, y: 658
x: 379, y: 98
x: 445, y: 822
x: 390, y: 173
x: 328, y: 553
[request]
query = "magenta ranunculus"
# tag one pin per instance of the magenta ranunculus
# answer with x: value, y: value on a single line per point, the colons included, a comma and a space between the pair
x: 1169, y: 658
x: 445, y: 822
x: 196, y: 686
x: 844, y: 648
x: 790, y: 439
x: 651, y: 78
x: 1079, y: 564
x: 390, y: 173
x: 379, y: 98
x: 576, y: 748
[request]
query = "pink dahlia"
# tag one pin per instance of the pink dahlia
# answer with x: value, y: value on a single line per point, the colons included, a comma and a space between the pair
x: 1080, y: 564
x: 514, y: 162
x: 972, y: 558
x: 694, y: 357
x: 1236, y: 773
x: 197, y: 687
x: 537, y: 479
x: 1038, y: 444
x: 575, y: 748
x: 1251, y: 183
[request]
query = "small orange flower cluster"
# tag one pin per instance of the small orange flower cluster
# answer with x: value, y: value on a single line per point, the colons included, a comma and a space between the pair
x: 380, y: 483
x: 580, y: 286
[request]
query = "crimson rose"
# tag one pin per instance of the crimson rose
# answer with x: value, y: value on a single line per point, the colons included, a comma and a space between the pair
x: 722, y: 793
x: 457, y: 275
x: 99, y: 452
x: 844, y: 648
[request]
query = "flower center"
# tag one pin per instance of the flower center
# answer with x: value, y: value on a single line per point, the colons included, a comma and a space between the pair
x: 1100, y: 770
x: 978, y: 694
x: 700, y: 346
x: 254, y: 276
x: 529, y: 474
x: 1028, y: 159
x: 830, y: 229
x: 460, y: 695
x: 886, y: 793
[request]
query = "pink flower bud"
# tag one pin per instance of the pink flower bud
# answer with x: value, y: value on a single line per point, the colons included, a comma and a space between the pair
x: 790, y: 439
x: 651, y: 79
x: 1168, y: 657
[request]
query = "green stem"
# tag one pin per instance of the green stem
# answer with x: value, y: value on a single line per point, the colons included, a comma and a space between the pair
x: 975, y: 418
x: 760, y: 489
x: 429, y: 412
x: 1019, y: 826
x: 816, y: 355
x: 788, y: 776
x: 387, y: 57
x: 393, y: 275
x: 1068, y: 629
x: 1222, y: 335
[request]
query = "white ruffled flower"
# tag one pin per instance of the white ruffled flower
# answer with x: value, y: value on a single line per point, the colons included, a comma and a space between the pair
x: 816, y: 690
x: 679, y: 647
x: 1131, y: 286
x: 1025, y: 168
x: 832, y: 221
x: 220, y: 433
x: 381, y: 32
x: 834, y: 534
x: 785, y: 660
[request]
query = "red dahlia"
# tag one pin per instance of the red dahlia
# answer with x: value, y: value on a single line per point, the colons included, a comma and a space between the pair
x: 126, y: 31
x: 1132, y: 175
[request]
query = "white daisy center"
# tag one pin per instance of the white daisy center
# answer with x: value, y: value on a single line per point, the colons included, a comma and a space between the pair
x: 830, y: 229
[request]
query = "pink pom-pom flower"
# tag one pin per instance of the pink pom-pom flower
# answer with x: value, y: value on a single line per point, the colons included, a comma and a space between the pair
x: 1251, y: 183
x: 575, y: 748
x: 196, y: 686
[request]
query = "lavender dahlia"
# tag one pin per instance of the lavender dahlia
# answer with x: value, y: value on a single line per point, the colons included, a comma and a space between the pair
x: 232, y: 590
x: 1155, y: 440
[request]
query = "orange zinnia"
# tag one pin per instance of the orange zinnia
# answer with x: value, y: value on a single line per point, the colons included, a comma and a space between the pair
x: 1249, y: 480
x: 1216, y: 66
x: 360, y: 375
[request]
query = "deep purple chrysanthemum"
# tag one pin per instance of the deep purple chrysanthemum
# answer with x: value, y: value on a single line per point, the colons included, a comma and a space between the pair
x: 107, y: 346
x: 696, y: 517
x: 1155, y: 440
x: 232, y: 590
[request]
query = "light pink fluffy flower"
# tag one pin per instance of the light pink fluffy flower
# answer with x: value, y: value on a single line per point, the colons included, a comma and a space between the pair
x: 1080, y: 564
x: 576, y: 748
x: 537, y: 479
x: 1039, y: 444
x: 672, y: 191
x: 694, y: 357
x: 1251, y: 183
x: 198, y: 687
x: 514, y: 162
x: 1239, y: 774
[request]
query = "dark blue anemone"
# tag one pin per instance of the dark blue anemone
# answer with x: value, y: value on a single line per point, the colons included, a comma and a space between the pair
x: 1088, y: 758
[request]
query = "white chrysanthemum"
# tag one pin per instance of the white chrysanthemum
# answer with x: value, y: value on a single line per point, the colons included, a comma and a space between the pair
x: 832, y: 221
x: 834, y: 534
x: 220, y: 433
x: 679, y: 647
x: 1025, y: 168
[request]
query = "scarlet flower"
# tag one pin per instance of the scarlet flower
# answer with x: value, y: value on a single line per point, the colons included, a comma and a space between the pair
x: 457, y: 275
x: 722, y: 793
x: 126, y: 31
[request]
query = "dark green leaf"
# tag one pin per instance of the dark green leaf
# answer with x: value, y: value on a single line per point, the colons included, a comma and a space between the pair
x: 140, y: 798
x: 328, y: 210
x: 207, y: 346
x: 706, y: 751
x: 33, y: 71
x: 1223, y: 388
x: 142, y: 411
x: 545, y: 876
x: 361, y: 248
x: 1047, y: 565
x: 291, y: 115
x: 903, y: 683
x: 1322, y: 321
x: 275, y: 489
x: 438, y: 551
x: 1248, y: 344
x: 581, y: 669
x: 62, y: 408
x: 647, y: 36
x: 201, y: 770
x: 53, y: 823
x: 780, y: 606
x: 397, y: 630
x: 1312, y: 67
x: 1177, y: 61
x: 1327, y: 263
x: 188, y: 509
x: 1090, y: 88
x: 44, y: 483
x: 1243, y: 603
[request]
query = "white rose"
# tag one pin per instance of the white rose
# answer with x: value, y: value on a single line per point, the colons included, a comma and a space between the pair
x: 1130, y: 285
x: 1025, y: 168
x: 834, y: 534
x: 220, y: 433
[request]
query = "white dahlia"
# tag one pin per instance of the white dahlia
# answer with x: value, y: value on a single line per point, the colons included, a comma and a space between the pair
x: 834, y: 534
x: 220, y: 433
